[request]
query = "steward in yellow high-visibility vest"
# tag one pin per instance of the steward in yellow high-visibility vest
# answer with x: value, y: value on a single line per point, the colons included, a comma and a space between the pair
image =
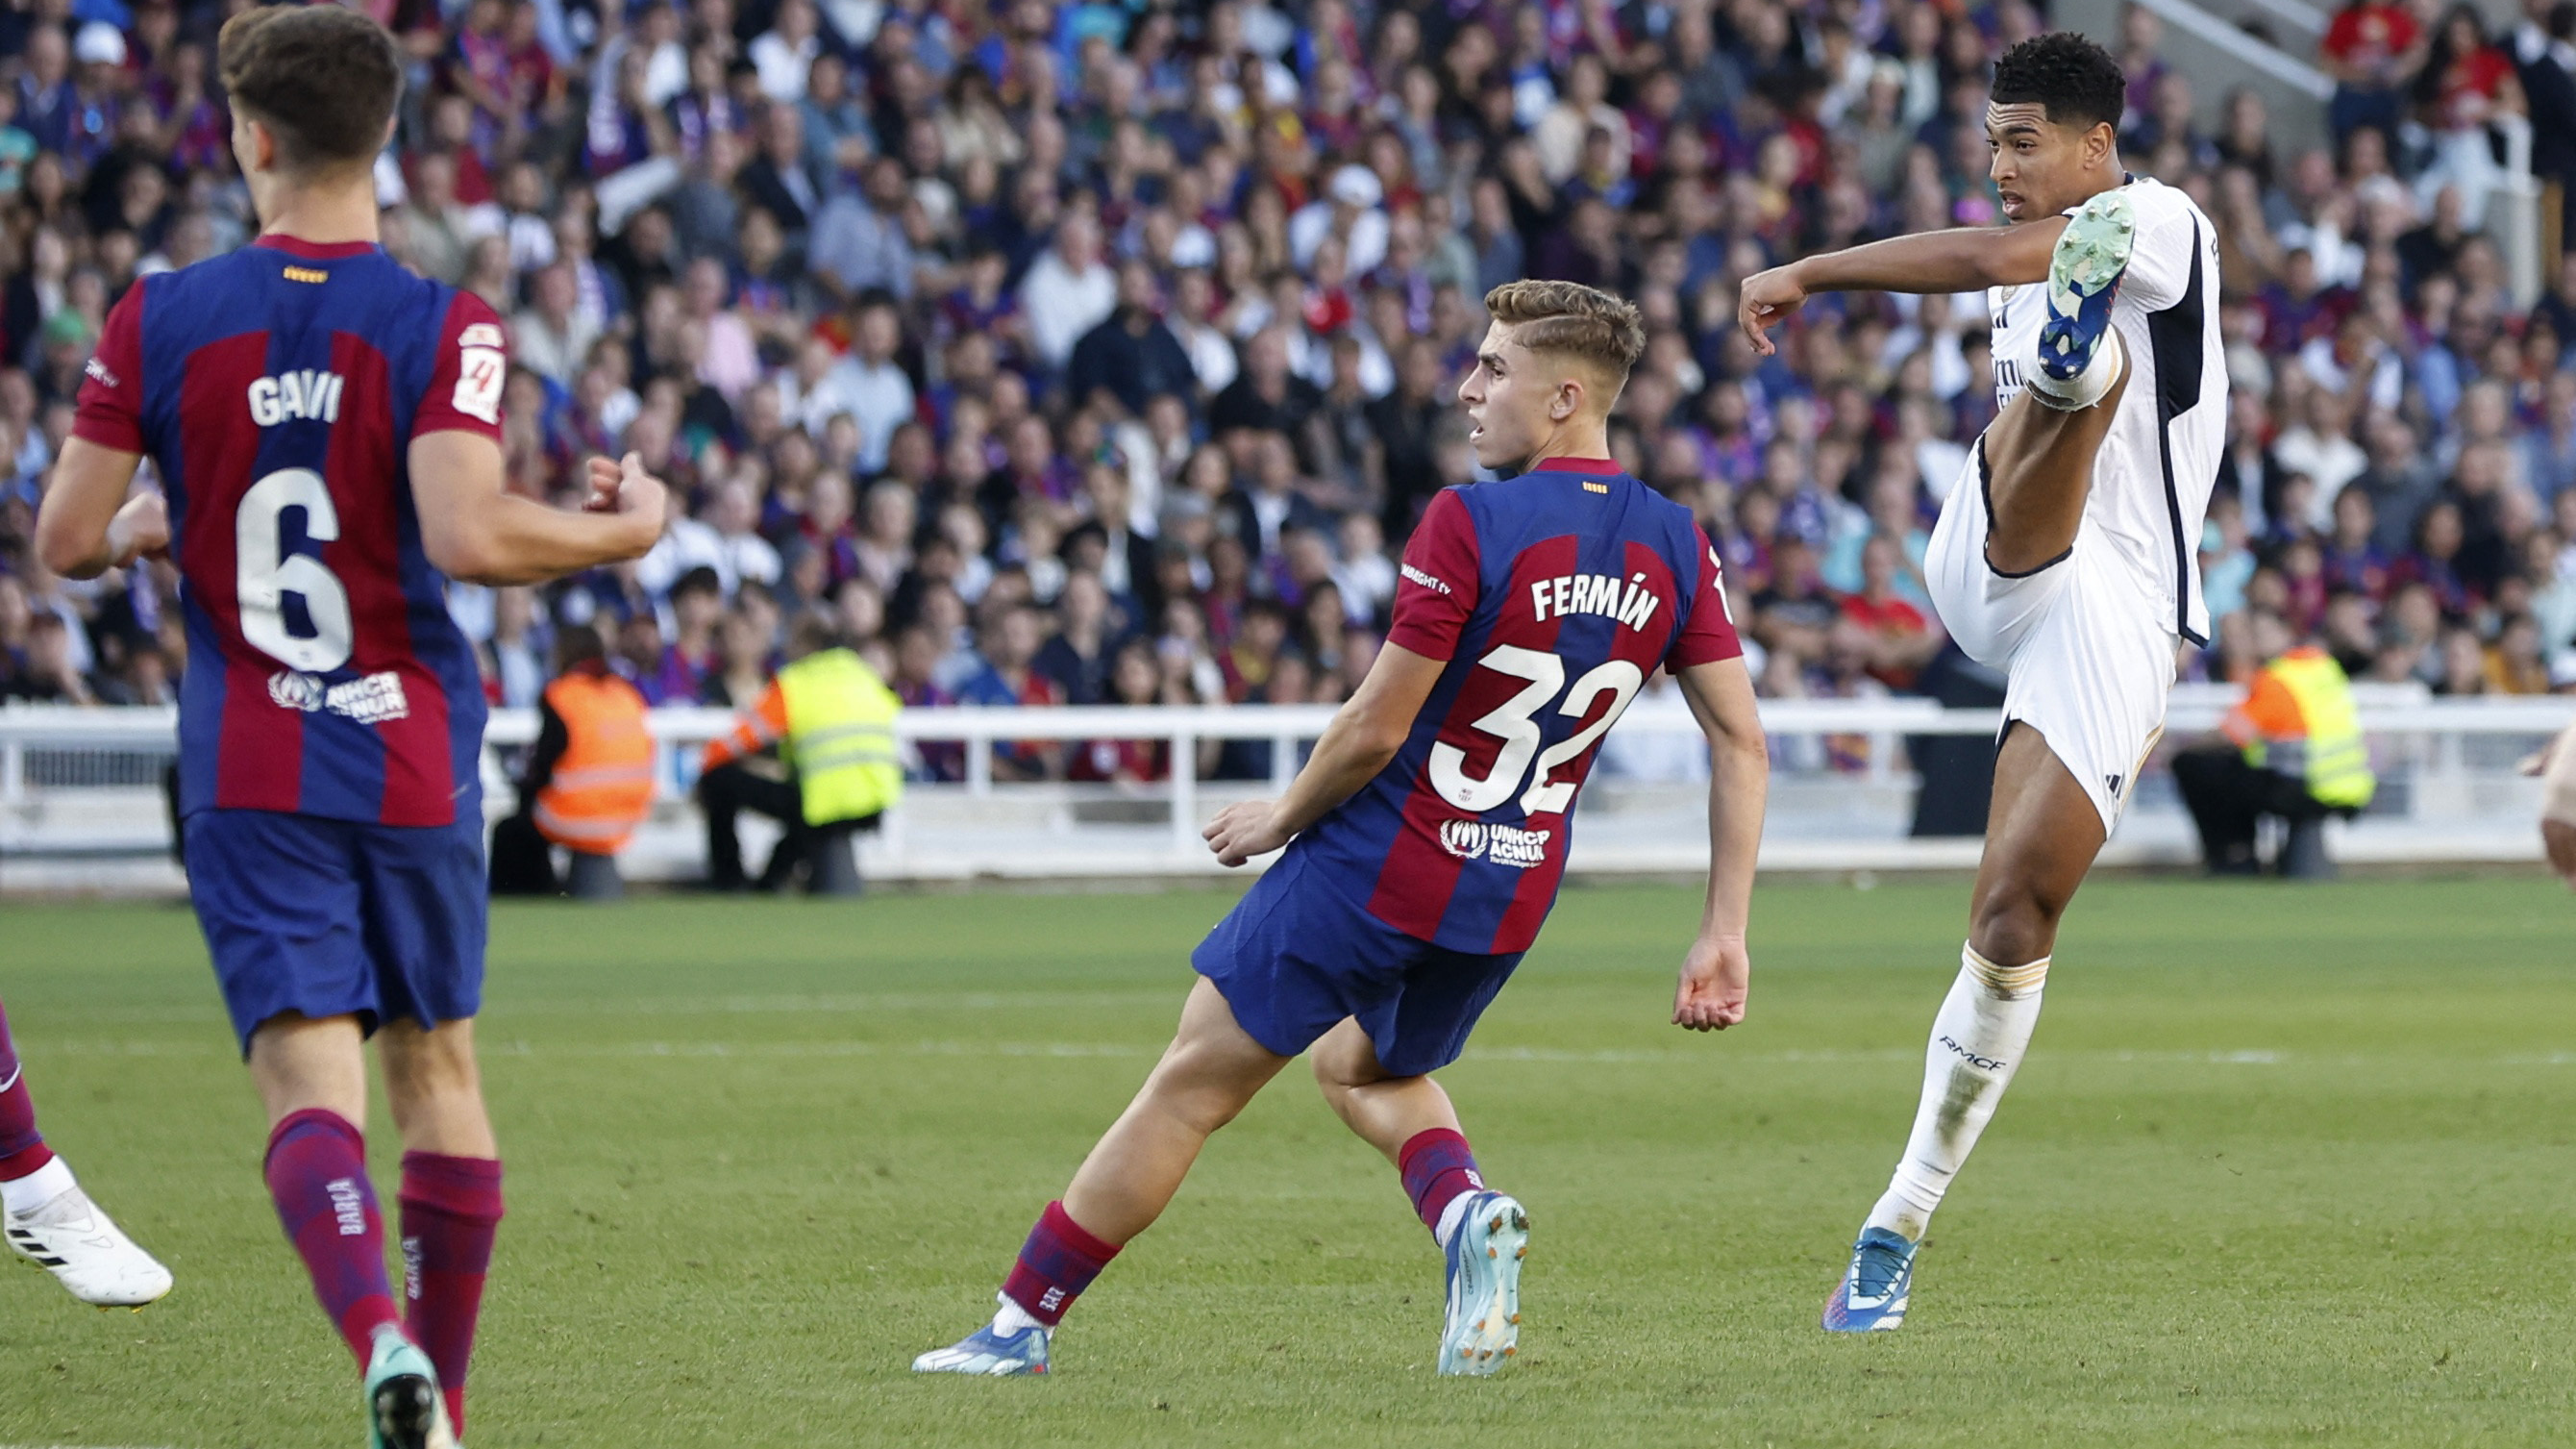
x: 2298, y: 720
x: 2294, y: 749
x: 831, y: 720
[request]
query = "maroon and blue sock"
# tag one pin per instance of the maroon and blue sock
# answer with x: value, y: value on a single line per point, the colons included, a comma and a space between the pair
x: 1438, y: 1168
x: 317, y: 1173
x: 1057, y: 1262
x: 451, y: 1207
x: 22, y: 1147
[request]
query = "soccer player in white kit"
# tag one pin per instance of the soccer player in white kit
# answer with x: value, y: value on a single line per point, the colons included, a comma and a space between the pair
x: 2064, y: 555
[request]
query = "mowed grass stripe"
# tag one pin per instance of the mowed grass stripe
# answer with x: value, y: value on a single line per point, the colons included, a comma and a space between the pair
x: 2286, y: 1166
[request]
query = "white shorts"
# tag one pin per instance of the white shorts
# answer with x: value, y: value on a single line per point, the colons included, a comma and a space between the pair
x: 2087, y: 655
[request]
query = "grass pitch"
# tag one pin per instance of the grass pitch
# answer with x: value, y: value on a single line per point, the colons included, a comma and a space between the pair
x: 2286, y: 1166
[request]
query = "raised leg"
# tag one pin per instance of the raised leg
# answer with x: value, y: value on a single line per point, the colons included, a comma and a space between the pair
x: 2039, y: 471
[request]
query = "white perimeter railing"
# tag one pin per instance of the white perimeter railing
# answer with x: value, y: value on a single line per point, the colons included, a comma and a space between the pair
x: 81, y: 804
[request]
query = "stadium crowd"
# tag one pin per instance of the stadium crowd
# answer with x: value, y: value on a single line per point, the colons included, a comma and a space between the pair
x: 1097, y: 352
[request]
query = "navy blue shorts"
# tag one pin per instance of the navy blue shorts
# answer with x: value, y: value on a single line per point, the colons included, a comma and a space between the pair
x: 336, y: 918
x: 1296, y: 956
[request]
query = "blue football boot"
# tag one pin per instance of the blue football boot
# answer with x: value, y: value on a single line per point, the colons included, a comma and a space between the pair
x: 989, y: 1355
x: 2083, y: 276
x: 1872, y: 1294
x: 1483, y: 1329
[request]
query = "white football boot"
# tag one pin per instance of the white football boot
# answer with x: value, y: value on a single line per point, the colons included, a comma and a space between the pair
x: 75, y: 1240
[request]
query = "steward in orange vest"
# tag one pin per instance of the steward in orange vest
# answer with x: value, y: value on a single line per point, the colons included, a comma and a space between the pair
x: 589, y: 782
x: 600, y: 786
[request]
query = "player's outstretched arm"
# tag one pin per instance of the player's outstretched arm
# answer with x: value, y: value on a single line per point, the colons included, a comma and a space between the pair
x: 1365, y: 733
x: 1717, y: 972
x: 475, y: 530
x: 87, y: 525
x: 1961, y: 259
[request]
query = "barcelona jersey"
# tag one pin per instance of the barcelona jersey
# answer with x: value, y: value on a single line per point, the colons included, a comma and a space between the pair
x: 276, y: 390
x: 1552, y: 596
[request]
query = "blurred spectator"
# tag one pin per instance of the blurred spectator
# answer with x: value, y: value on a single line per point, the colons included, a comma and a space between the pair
x: 1003, y: 674
x: 1131, y: 355
x: 1068, y: 291
x: 1900, y: 639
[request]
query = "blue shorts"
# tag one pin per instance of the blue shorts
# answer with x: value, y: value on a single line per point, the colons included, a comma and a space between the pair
x: 1296, y: 956
x: 336, y: 918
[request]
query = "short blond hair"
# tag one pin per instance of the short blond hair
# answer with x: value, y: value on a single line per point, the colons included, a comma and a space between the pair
x: 1570, y: 319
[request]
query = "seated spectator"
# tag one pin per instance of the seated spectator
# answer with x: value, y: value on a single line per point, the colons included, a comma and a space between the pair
x: 515, y: 655
x: 877, y: 393
x: 1900, y: 639
x: 2434, y: 560
x: 1079, y: 657
x: 2514, y: 662
x: 1136, y: 678
x: 742, y: 664
x: 2461, y: 668
x: 1003, y: 676
x: 1130, y: 355
x: 1275, y: 502
x: 1067, y: 291
x: 2466, y: 82
x: 45, y: 672
x: 2352, y: 561
x: 553, y: 335
x: 1795, y: 614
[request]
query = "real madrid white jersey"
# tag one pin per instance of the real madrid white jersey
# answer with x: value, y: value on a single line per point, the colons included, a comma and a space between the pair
x: 2153, y: 475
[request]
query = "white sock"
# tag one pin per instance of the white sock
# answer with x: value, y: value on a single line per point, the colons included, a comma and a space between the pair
x: 23, y: 1195
x: 2087, y: 387
x: 1450, y: 1217
x: 1977, y: 1040
x: 1012, y: 1318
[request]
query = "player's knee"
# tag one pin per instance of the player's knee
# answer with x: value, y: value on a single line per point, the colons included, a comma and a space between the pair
x: 2014, y: 925
x: 424, y: 1069
x: 1201, y: 1088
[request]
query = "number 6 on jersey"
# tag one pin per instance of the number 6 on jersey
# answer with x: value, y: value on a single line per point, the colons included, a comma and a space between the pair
x: 267, y: 573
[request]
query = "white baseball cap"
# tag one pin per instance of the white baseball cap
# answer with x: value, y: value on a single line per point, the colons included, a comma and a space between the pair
x: 1356, y: 185
x: 99, y: 43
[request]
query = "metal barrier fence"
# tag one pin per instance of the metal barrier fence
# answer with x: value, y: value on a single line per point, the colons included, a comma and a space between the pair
x: 81, y: 804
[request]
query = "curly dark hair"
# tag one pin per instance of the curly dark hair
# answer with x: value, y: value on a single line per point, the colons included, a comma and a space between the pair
x: 2075, y: 80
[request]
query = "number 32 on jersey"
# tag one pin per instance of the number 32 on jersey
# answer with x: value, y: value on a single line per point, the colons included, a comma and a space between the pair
x: 1516, y: 723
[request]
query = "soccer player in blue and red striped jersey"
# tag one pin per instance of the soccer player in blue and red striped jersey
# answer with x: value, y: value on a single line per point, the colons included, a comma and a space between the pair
x: 325, y: 429
x: 1426, y: 836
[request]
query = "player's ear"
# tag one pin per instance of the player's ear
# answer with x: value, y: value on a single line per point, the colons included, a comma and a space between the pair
x: 1568, y: 400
